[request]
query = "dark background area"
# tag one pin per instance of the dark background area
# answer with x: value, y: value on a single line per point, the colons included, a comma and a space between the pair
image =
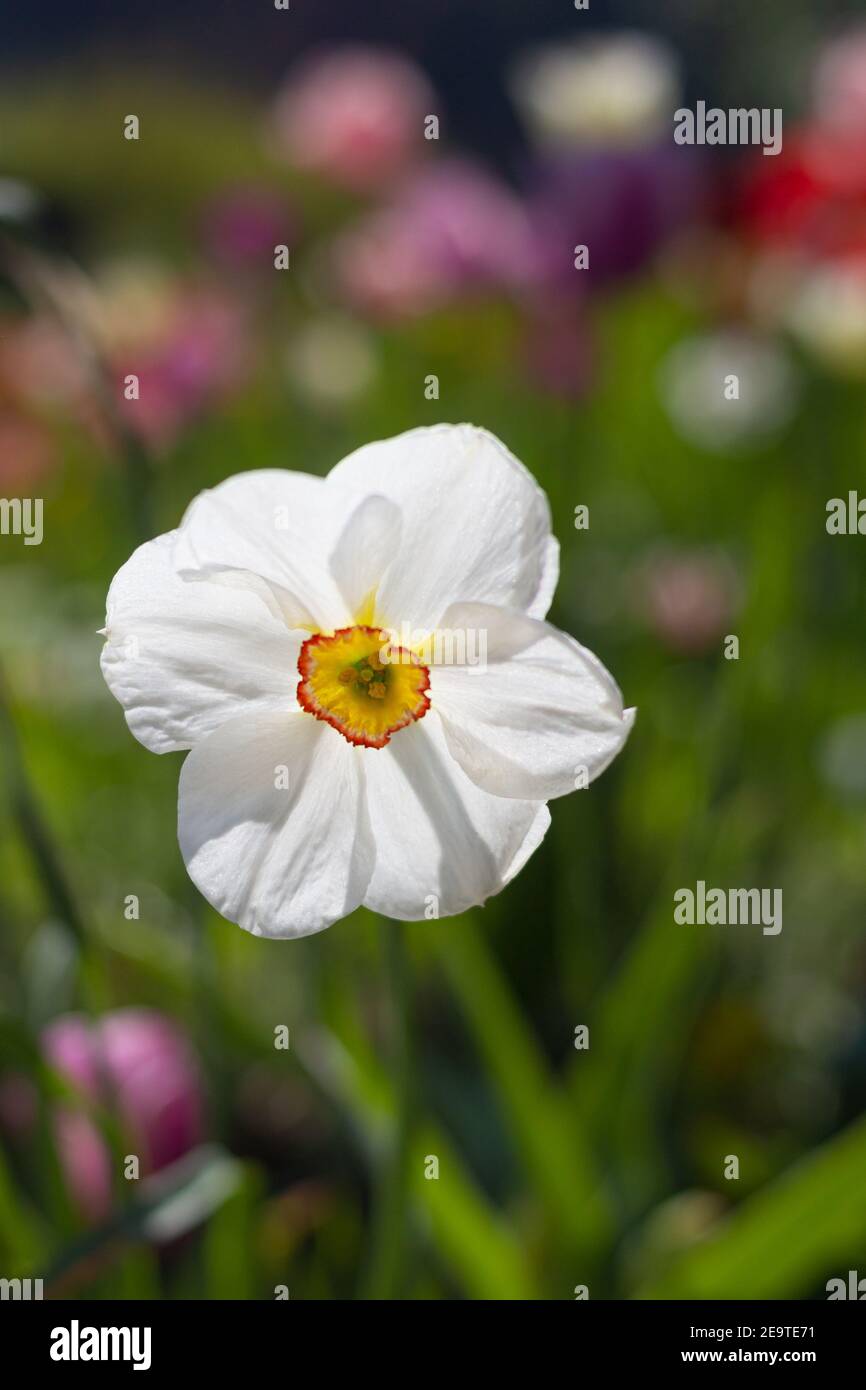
x: 741, y: 50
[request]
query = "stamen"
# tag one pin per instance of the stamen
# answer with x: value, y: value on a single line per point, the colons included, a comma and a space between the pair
x: 366, y: 690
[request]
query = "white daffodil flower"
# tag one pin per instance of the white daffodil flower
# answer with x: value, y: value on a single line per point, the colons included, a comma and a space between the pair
x: 376, y: 711
x: 606, y: 91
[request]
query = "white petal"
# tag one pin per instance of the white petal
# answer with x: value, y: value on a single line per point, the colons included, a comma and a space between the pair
x: 476, y: 525
x: 541, y: 711
x: 549, y: 579
x: 182, y: 656
x: 281, y: 604
x: 369, y: 541
x: 439, y: 838
x: 276, y: 523
x: 279, y: 861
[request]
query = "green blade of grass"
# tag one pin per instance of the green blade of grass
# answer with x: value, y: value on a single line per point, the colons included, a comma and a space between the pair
x: 803, y: 1227
x: 472, y: 1238
x: 540, y: 1115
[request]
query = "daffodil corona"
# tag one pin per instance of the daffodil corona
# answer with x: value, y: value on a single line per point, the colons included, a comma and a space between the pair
x: 375, y: 708
x: 362, y: 685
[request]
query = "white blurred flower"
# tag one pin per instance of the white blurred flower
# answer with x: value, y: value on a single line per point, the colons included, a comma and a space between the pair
x: 18, y: 201
x: 842, y: 757
x: 328, y: 766
x: 827, y: 315
x: 698, y: 393
x: 130, y: 302
x: 331, y: 360
x: 615, y: 91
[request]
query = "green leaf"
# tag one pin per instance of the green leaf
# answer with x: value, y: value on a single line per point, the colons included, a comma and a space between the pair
x: 541, y: 1115
x: 23, y: 1236
x: 473, y: 1239
x: 471, y: 1235
x: 172, y: 1202
x: 230, y: 1242
x: 804, y: 1226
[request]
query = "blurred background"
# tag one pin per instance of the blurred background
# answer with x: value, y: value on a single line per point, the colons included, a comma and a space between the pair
x: 133, y: 1020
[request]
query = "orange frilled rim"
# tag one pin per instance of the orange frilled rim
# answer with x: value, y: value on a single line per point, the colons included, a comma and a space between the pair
x: 361, y: 684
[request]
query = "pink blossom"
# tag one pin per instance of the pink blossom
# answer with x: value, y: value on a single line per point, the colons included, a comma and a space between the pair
x: 27, y: 452
x: 688, y: 597
x: 201, y: 355
x: 840, y: 84
x: 187, y: 342
x: 38, y: 363
x: 138, y: 1064
x: 449, y: 231
x: 355, y: 115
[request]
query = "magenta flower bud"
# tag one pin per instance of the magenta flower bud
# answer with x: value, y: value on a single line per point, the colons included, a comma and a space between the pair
x: 139, y: 1065
x: 85, y: 1161
x: 242, y: 225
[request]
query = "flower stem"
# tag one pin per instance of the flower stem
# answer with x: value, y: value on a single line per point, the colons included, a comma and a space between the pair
x: 32, y: 825
x: 385, y: 1268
